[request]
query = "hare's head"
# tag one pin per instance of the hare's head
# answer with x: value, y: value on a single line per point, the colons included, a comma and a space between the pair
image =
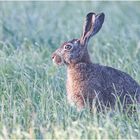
x: 75, y: 51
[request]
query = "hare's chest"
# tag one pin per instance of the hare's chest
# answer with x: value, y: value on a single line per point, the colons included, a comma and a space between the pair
x: 76, y: 86
x: 70, y: 91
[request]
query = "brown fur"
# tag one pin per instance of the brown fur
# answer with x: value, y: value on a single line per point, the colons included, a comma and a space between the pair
x: 88, y: 82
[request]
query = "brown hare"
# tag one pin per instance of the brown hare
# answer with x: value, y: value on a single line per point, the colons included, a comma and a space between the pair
x: 88, y: 82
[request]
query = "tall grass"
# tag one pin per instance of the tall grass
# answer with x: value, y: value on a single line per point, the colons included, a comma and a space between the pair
x: 32, y: 90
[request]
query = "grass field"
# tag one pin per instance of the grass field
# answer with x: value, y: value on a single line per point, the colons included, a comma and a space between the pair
x: 32, y: 90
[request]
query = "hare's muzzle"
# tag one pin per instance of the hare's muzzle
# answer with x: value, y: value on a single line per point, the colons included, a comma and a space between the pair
x: 56, y: 59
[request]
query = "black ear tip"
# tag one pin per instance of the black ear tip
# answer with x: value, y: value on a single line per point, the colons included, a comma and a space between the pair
x: 90, y: 14
x: 101, y: 16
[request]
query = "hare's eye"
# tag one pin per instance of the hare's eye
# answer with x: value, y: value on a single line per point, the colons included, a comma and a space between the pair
x: 68, y: 47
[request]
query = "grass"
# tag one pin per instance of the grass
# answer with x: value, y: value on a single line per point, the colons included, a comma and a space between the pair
x: 32, y: 90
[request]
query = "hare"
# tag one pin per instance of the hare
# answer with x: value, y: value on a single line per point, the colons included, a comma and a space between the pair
x: 89, y: 83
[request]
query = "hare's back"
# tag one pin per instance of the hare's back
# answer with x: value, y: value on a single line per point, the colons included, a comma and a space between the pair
x: 110, y: 83
x: 113, y: 80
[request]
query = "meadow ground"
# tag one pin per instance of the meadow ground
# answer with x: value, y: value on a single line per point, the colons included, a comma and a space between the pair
x: 32, y: 90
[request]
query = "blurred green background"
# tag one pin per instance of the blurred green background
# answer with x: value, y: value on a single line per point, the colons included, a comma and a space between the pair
x: 32, y: 90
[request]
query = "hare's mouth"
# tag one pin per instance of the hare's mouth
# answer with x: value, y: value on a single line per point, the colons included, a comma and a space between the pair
x: 57, y: 60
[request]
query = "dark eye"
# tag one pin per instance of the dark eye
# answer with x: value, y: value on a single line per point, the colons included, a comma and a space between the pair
x: 68, y: 47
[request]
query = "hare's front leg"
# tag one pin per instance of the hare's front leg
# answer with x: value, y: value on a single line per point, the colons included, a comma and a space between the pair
x: 80, y: 104
x: 77, y: 101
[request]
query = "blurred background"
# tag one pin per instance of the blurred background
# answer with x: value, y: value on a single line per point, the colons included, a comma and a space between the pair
x: 51, y: 23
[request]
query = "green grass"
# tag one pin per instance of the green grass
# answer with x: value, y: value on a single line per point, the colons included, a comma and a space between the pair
x: 32, y: 90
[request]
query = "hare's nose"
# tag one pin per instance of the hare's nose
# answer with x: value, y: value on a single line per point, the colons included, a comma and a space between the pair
x: 53, y: 56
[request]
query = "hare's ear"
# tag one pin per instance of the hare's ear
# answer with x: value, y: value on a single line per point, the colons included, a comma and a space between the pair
x: 93, y: 24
